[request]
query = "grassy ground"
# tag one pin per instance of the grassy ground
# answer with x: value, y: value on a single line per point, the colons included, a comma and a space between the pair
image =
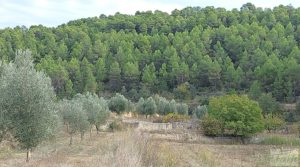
x: 276, y: 139
x: 135, y: 148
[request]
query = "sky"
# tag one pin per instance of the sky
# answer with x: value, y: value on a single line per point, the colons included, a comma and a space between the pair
x: 55, y: 12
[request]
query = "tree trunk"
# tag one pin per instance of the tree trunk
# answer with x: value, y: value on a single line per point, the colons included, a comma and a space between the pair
x: 97, y: 128
x: 67, y: 128
x: 81, y: 136
x: 91, y: 131
x: 243, y: 140
x: 71, y: 140
x: 28, y: 155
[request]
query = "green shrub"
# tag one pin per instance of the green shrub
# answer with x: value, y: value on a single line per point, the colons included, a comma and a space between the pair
x: 115, y: 126
x: 239, y: 115
x: 298, y: 128
x: 211, y: 126
x: 298, y: 108
x: 158, y: 120
x: 273, y: 122
x: 174, y: 117
x: 289, y: 116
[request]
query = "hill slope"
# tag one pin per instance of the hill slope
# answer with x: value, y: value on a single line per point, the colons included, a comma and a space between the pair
x: 185, y: 52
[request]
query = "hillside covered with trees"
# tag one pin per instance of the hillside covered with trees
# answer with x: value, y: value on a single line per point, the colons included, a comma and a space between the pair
x: 189, y: 51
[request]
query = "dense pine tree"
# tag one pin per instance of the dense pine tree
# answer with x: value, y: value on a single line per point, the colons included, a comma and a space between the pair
x: 213, y: 49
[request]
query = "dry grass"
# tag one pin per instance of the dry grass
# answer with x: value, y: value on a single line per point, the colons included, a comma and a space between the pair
x: 276, y: 139
x: 126, y: 148
x: 138, y: 149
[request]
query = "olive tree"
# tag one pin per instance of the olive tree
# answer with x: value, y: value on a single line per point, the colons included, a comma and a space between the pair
x: 165, y: 106
x: 173, y: 106
x: 1, y: 67
x: 4, y: 121
x: 182, y: 108
x: 140, y: 105
x: 147, y: 107
x: 75, y: 117
x: 26, y: 103
x: 200, y: 111
x: 96, y: 109
x: 162, y: 105
x: 118, y: 103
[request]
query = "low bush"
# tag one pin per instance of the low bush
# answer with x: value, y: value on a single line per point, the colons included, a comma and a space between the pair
x: 273, y: 122
x: 211, y: 126
x: 290, y: 116
x: 174, y: 117
x: 115, y: 126
x: 158, y: 120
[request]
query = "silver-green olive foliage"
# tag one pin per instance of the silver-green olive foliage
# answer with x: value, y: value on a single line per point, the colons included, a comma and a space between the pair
x: 165, y: 107
x: 96, y: 108
x: 118, y: 103
x: 26, y: 102
x: 147, y: 107
x: 74, y: 115
x: 182, y: 108
x: 200, y: 111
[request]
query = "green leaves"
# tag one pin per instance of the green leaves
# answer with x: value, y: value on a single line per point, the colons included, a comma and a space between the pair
x: 88, y: 78
x: 27, y: 102
x: 149, y: 75
x: 200, y: 111
x: 74, y: 115
x: 147, y: 107
x: 211, y: 49
x: 238, y: 115
x: 118, y: 103
x: 268, y: 104
x: 95, y: 108
x: 83, y: 112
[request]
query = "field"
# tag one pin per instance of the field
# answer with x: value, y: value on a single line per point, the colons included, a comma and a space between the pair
x: 134, y: 147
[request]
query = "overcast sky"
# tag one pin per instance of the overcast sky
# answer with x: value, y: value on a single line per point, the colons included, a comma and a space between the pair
x: 55, y: 12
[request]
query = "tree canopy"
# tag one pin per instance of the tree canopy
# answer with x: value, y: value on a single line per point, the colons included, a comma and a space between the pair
x: 212, y: 49
x: 26, y: 102
x: 238, y: 115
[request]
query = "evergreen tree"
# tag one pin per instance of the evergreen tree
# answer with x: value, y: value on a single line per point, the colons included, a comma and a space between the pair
x: 131, y: 75
x: 26, y: 103
x: 114, y: 76
x: 88, y: 79
x: 149, y: 76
